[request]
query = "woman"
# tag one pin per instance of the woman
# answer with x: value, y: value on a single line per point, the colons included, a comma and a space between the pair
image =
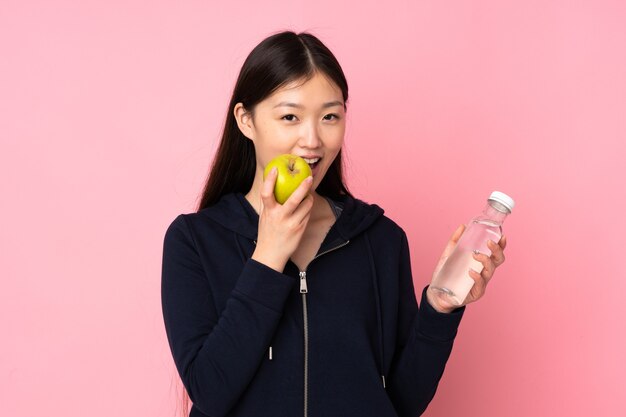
x: 305, y: 308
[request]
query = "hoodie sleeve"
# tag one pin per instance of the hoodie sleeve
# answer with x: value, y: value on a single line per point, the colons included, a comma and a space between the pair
x: 425, y: 338
x: 217, y: 353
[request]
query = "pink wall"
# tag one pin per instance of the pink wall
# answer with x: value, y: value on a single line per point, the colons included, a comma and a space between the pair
x: 109, y: 116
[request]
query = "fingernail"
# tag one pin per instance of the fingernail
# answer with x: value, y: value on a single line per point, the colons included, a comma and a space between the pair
x: 309, y: 179
x: 274, y: 170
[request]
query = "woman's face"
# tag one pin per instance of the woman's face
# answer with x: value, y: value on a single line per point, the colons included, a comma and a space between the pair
x: 307, y: 120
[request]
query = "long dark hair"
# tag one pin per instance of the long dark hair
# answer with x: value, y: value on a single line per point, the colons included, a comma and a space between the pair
x: 278, y: 60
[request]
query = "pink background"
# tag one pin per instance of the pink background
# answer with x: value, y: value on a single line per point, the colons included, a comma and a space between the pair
x: 110, y: 112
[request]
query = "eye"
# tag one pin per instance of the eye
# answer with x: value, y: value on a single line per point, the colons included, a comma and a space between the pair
x: 287, y: 116
x: 333, y: 115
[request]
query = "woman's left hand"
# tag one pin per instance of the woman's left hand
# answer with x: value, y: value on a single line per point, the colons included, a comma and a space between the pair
x: 490, y: 263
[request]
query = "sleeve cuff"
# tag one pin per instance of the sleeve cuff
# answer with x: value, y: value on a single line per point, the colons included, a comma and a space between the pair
x: 436, y: 325
x: 265, y: 285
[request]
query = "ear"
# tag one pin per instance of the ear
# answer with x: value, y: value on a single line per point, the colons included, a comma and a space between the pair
x: 244, y: 121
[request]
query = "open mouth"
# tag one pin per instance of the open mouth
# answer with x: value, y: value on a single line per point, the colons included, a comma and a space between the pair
x: 312, y: 164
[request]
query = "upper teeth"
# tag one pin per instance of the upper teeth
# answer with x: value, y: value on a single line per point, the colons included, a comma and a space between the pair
x: 311, y: 161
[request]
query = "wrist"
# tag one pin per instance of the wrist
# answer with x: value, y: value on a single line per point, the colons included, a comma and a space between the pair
x: 433, y: 300
x: 271, y: 261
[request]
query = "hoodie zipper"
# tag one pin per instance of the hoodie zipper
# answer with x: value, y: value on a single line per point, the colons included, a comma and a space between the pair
x: 304, y: 290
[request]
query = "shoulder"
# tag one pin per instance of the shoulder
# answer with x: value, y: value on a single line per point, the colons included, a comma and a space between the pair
x: 182, y: 221
x: 194, y: 225
x: 178, y: 229
x: 389, y: 225
x: 385, y: 234
x: 384, y: 225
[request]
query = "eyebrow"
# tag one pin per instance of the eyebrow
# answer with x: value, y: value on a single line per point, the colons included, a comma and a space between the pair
x: 300, y: 106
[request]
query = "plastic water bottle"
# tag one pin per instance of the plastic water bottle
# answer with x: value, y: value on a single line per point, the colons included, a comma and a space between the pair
x: 453, y: 279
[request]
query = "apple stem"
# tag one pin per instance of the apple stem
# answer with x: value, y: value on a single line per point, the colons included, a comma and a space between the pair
x: 292, y: 167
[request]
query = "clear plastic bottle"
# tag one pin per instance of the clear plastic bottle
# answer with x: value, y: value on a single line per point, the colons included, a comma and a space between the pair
x: 453, y: 279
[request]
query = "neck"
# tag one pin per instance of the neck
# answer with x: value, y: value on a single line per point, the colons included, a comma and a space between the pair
x: 497, y: 215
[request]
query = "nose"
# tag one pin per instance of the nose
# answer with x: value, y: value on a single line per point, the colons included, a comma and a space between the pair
x: 310, y: 137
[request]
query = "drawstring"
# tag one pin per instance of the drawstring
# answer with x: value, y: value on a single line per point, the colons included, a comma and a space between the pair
x: 378, y: 309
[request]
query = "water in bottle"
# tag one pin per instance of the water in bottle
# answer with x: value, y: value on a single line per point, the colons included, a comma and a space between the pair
x: 453, y: 280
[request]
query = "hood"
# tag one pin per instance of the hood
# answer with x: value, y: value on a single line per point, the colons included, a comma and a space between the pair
x: 234, y: 212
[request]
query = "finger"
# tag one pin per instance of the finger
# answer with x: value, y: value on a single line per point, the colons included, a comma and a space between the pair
x: 488, y: 265
x: 497, y: 255
x: 299, y: 194
x: 267, y: 189
x: 302, y: 213
x: 454, y: 239
x: 502, y: 242
x: 457, y: 233
x: 480, y: 285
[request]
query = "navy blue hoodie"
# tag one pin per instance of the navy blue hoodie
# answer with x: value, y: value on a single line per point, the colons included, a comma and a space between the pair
x: 343, y: 338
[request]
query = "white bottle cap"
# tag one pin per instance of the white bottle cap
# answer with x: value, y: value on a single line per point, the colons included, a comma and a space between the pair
x: 503, y: 199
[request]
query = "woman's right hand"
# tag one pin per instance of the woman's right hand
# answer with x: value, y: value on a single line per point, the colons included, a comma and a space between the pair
x: 281, y: 226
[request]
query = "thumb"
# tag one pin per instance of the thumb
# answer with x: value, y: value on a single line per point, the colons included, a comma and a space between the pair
x: 457, y: 234
x: 454, y: 239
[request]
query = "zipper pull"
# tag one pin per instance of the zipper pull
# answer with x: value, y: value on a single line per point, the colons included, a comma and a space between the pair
x: 303, y: 288
x: 384, y: 384
x: 270, y: 353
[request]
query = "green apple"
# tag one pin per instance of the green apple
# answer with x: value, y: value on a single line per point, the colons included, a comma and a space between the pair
x: 292, y: 170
